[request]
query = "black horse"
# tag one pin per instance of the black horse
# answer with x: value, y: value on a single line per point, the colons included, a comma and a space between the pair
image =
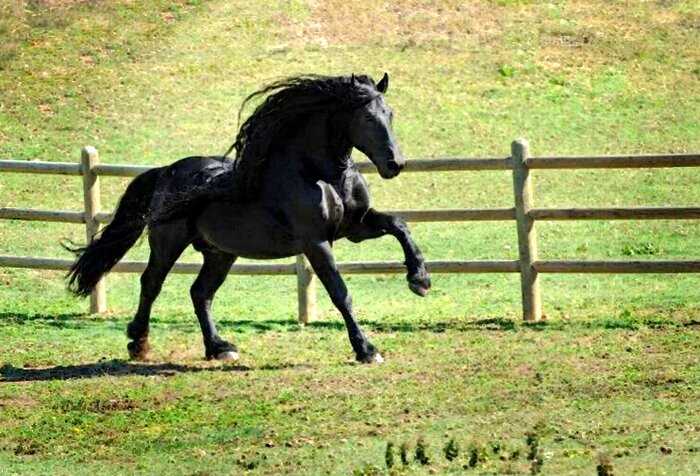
x: 293, y: 188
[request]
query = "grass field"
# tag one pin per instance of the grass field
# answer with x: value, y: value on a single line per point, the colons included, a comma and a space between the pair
x: 614, y: 371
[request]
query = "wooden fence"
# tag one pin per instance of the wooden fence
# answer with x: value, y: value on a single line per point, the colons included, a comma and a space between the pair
x: 524, y: 213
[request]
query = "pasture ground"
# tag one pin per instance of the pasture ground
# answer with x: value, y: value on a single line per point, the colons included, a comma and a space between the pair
x: 614, y: 370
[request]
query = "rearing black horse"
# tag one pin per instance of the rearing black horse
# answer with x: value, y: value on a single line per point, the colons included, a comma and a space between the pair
x: 293, y: 188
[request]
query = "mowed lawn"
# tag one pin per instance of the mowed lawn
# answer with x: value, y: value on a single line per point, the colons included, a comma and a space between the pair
x: 611, y: 378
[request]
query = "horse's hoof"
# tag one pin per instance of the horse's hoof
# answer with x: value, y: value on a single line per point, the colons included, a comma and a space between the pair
x: 138, y: 349
x: 419, y: 282
x: 418, y: 289
x: 375, y: 358
x: 228, y: 355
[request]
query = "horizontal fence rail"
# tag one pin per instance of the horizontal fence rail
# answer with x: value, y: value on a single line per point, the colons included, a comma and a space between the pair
x: 646, y: 213
x: 617, y: 267
x: 37, y: 167
x: 523, y: 213
x: 41, y: 215
x: 417, y: 165
x: 365, y: 267
x: 615, y: 162
x: 416, y: 216
x: 389, y: 267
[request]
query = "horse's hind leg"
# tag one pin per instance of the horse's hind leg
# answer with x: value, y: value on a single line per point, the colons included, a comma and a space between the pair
x: 167, y: 243
x: 214, y: 270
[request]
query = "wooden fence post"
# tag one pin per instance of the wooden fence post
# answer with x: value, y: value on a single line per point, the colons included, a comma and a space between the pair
x: 527, y: 238
x: 91, y: 197
x: 306, y: 290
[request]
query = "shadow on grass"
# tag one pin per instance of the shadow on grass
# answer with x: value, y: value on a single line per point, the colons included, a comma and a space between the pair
x: 468, y: 325
x: 490, y: 324
x: 268, y: 325
x: 62, y: 321
x: 120, y: 368
x: 79, y: 320
x: 622, y: 322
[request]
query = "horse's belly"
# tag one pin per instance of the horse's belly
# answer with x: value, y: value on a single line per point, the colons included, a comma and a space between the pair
x: 247, y: 231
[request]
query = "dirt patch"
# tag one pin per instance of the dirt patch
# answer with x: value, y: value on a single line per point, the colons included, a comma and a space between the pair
x: 18, y: 401
x: 412, y: 23
x: 20, y: 9
x: 57, y: 3
x: 111, y: 405
x: 581, y: 35
x: 20, y: 5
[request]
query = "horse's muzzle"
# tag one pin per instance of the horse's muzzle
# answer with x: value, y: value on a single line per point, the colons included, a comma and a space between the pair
x: 392, y: 168
x: 395, y: 166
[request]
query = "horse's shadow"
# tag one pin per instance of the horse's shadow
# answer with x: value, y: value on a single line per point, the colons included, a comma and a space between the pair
x: 120, y: 368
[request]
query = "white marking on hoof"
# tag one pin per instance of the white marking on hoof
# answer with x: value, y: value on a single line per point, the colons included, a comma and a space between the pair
x: 377, y: 359
x: 228, y: 355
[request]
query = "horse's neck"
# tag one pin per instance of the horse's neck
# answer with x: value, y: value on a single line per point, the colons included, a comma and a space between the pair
x: 321, y: 148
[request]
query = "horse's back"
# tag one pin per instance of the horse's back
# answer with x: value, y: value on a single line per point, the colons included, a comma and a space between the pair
x: 185, y: 184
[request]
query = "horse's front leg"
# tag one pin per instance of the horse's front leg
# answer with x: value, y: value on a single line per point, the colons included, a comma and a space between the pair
x: 321, y: 258
x: 375, y: 224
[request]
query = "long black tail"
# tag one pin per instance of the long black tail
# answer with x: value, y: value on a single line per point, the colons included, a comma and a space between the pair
x: 112, y: 243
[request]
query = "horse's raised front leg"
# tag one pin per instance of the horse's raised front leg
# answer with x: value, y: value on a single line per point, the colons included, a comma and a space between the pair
x: 212, y: 275
x: 321, y: 258
x: 167, y: 242
x: 375, y: 224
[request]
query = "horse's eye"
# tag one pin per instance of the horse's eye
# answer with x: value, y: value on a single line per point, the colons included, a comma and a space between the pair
x: 369, y: 117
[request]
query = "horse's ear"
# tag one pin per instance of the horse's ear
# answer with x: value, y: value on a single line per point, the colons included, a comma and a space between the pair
x: 353, y: 79
x: 383, y: 84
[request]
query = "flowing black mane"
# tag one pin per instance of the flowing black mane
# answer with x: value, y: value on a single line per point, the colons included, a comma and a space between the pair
x: 287, y: 102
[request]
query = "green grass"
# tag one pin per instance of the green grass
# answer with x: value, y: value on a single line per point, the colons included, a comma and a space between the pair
x: 614, y: 370
x: 625, y: 385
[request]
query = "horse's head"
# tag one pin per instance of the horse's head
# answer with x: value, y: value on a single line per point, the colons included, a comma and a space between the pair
x: 372, y: 134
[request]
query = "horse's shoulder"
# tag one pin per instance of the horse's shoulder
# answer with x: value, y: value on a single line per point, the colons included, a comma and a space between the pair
x: 331, y: 205
x: 355, y: 190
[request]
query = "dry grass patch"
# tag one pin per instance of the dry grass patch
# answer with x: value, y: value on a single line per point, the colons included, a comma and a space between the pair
x: 596, y: 34
x: 558, y: 37
x: 414, y: 23
x: 18, y: 401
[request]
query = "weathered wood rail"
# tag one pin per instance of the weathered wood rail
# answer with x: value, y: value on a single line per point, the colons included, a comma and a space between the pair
x: 524, y: 213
